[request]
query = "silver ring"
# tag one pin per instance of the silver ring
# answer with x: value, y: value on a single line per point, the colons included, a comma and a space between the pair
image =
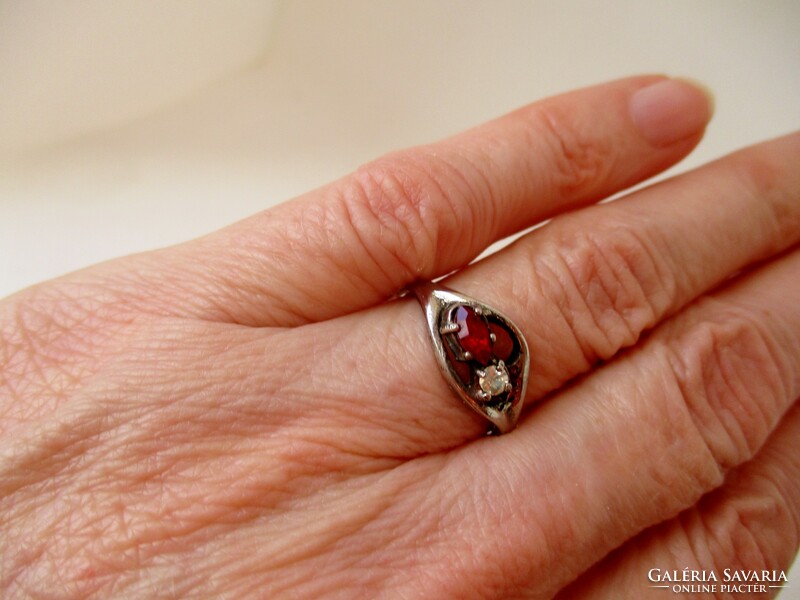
x: 481, y: 354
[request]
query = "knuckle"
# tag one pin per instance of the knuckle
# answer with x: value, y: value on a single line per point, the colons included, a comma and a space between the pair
x: 400, y: 208
x: 576, y: 158
x: 58, y: 320
x: 738, y: 534
x: 43, y: 318
x: 731, y: 381
x: 52, y: 338
x: 610, y: 284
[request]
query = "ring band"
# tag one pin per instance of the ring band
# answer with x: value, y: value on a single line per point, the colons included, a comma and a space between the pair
x: 481, y: 353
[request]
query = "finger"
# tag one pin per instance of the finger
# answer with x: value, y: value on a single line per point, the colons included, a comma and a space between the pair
x: 426, y: 211
x: 750, y: 524
x: 589, y: 283
x: 644, y: 438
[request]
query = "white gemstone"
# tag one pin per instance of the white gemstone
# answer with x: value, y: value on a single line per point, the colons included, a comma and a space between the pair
x: 494, y: 380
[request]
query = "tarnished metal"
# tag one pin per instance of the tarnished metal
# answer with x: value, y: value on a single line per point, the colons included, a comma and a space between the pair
x: 501, y: 410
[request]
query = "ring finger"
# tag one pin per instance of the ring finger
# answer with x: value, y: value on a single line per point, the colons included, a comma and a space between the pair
x: 580, y: 289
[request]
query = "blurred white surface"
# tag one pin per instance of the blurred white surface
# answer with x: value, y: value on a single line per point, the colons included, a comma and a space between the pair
x: 342, y: 82
x: 73, y: 66
x: 128, y: 125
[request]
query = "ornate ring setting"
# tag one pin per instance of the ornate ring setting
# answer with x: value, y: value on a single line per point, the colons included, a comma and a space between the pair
x: 481, y: 354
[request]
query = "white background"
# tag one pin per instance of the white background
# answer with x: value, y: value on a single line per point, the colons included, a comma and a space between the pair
x: 130, y: 125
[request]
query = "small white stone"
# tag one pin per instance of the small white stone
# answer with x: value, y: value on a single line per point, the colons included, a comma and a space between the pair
x: 494, y: 380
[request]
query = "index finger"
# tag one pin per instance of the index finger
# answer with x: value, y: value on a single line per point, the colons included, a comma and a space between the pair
x: 423, y: 212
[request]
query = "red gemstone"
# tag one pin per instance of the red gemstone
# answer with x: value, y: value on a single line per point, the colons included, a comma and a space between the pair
x: 503, y: 346
x: 474, y: 335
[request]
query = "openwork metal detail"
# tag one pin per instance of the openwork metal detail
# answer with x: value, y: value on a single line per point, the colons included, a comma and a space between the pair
x: 481, y: 354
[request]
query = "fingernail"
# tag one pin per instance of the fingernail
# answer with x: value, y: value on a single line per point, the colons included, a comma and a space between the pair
x: 671, y: 110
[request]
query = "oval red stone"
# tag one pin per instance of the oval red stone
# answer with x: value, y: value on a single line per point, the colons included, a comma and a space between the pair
x: 473, y: 335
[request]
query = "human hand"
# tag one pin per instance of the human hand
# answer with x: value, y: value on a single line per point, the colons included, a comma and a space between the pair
x: 244, y: 415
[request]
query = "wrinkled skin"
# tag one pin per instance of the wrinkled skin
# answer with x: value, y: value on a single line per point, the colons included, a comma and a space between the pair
x: 251, y: 415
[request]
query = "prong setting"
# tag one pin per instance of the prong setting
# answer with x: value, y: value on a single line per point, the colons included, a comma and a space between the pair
x: 494, y: 380
x: 471, y: 357
x: 449, y: 328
